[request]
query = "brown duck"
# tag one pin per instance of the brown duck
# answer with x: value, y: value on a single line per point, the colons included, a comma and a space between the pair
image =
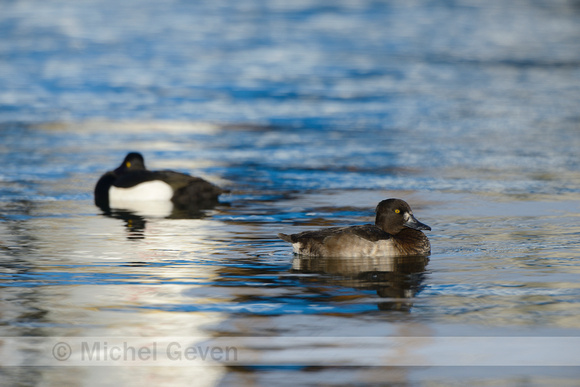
x: 396, y: 232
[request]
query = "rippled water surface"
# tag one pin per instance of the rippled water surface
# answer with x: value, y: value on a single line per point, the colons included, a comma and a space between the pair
x: 309, y: 113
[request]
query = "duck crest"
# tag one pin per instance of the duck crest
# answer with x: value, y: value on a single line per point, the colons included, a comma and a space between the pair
x: 133, y: 162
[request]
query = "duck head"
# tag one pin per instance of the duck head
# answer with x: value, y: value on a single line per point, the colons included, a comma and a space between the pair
x: 133, y: 162
x: 393, y: 215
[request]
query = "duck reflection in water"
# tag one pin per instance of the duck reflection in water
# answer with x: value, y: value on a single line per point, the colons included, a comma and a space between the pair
x: 134, y: 224
x: 397, y: 279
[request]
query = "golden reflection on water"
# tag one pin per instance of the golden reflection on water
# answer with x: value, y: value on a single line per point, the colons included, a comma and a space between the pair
x: 102, y: 276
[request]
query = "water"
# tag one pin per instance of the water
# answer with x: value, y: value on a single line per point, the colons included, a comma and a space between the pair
x: 310, y: 113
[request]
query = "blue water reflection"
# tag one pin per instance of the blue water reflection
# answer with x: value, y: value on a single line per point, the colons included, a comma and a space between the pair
x: 310, y: 113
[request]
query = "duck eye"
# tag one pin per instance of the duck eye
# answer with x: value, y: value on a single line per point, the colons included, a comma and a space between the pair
x: 128, y: 164
x: 397, y: 211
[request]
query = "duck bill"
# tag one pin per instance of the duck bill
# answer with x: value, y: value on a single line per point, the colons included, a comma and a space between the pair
x: 415, y: 224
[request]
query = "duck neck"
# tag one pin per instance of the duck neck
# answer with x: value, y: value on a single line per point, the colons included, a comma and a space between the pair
x: 382, y: 223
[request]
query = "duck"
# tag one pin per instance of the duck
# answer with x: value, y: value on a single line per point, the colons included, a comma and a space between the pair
x: 396, y: 232
x: 132, y: 182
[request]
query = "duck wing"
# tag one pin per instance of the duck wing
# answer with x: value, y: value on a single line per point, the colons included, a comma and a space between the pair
x: 337, y: 241
x: 188, y: 188
x: 369, y: 232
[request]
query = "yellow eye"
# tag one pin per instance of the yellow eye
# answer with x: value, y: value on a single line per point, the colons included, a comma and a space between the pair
x: 128, y: 164
x: 397, y: 211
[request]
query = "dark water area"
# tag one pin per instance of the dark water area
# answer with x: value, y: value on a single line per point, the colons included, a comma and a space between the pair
x: 309, y: 113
